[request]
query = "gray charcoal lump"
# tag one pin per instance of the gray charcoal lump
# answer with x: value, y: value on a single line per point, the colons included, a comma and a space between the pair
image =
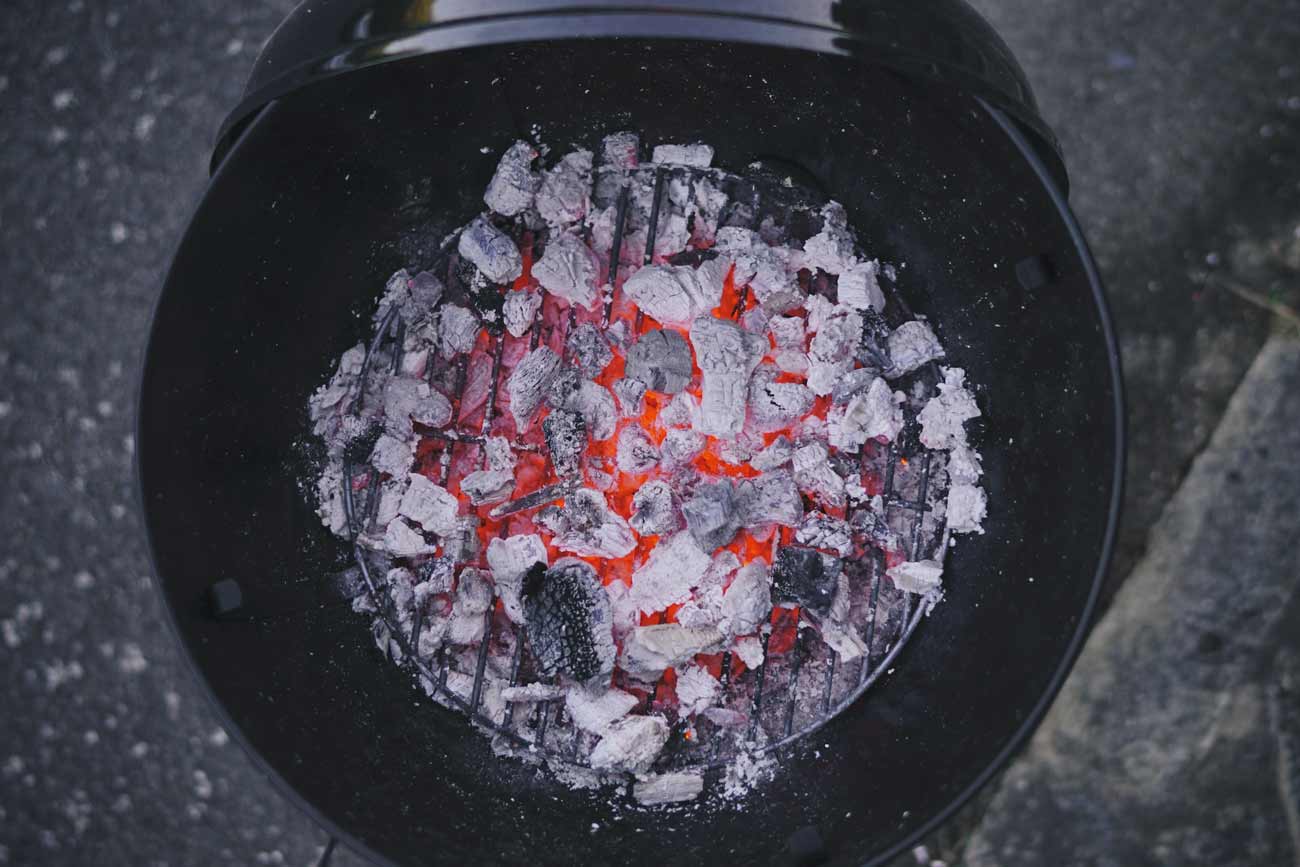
x: 807, y: 577
x: 711, y: 514
x: 662, y: 360
x: 570, y: 625
x: 589, y: 349
x: 566, y: 439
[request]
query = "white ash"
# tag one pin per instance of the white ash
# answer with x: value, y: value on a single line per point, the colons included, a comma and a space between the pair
x: 837, y: 628
x: 853, y: 383
x: 595, y: 709
x: 589, y: 349
x: 520, y: 310
x: 775, y: 405
x: 437, y: 576
x: 499, y: 454
x: 791, y: 343
x: 755, y: 320
x: 568, y: 269
x: 943, y: 419
x: 967, y: 505
x: 681, y: 446
x: 597, y: 408
x: 392, y: 456
x: 964, y: 465
x: 329, y: 399
x: 696, y: 689
x: 815, y: 475
x: 917, y: 576
x: 461, y: 545
x: 413, y: 297
x: 673, y: 568
x: 748, y: 650
x: 875, y: 415
x: 661, y: 360
x: 457, y: 330
x: 401, y: 540
x: 563, y: 386
x: 765, y: 269
x: 492, y: 251
x: 654, y: 510
x: 682, y: 411
x: 429, y: 505
x: 711, y: 514
x: 776, y: 454
x: 510, y: 559
x: 832, y: 249
x: 747, y: 603
x: 727, y: 355
x: 487, y: 487
x: 527, y: 385
x: 671, y: 788
x: 391, y: 493
x: 726, y: 717
x: 831, y: 354
x: 565, y: 192
x: 599, y: 479
x: 740, y: 450
x: 705, y: 606
x: 620, y: 150
x: 819, y: 530
x: 594, y: 530
x: 912, y: 345
x: 534, y: 692
x: 329, y: 500
x: 514, y: 185
x: 859, y: 287
x: 637, y: 453
x: 673, y: 236
x: 648, y: 650
x: 709, y: 201
x: 631, y: 397
x: 695, y: 155
x: 565, y: 433
x: 819, y: 310
x: 471, y: 601
x: 433, y: 410
x: 673, y: 294
x: 772, y: 498
x: 631, y: 745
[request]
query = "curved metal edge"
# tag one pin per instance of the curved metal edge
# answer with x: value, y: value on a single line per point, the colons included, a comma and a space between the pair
x: 646, y: 24
x: 286, y: 790
x: 1035, y: 717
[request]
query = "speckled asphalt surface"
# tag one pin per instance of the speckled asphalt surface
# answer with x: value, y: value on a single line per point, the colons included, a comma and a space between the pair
x: 1180, y: 125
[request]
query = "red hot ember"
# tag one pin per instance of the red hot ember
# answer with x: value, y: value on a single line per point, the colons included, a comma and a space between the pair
x: 642, y: 435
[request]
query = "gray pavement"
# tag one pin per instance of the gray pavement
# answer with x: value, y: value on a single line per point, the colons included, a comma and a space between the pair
x: 1180, y: 125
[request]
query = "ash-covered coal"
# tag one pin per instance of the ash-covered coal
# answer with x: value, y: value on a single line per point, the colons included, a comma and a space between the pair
x: 661, y: 361
x: 566, y: 440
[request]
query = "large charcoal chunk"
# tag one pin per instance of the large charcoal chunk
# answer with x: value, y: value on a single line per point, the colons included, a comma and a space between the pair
x: 712, y: 515
x: 566, y: 439
x: 662, y: 360
x: 570, y: 626
x: 727, y: 355
x: 807, y: 577
x: 492, y: 251
x: 514, y: 184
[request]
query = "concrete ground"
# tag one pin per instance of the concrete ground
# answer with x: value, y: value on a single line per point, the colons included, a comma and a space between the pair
x: 1181, y: 126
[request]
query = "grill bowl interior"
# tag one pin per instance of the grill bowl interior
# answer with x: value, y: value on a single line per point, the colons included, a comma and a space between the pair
x: 332, y: 189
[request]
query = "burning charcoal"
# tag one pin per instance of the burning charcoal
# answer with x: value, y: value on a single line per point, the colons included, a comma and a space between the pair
x: 437, y: 574
x: 637, y: 453
x: 763, y: 268
x: 805, y: 577
x: 852, y: 383
x: 859, y: 287
x: 680, y: 447
x: 413, y: 297
x: 563, y: 198
x: 596, y: 405
x: 874, y: 415
x: 392, y: 456
x: 673, y: 788
x: 429, y: 505
x: 566, y: 440
x: 820, y: 530
x: 631, y: 397
x: 402, y: 397
x: 654, y: 512
x: 748, y: 650
x: 832, y: 353
x: 741, y: 449
x: 457, y: 330
x: 820, y: 310
x: 912, y: 345
x: 595, y: 709
x: 674, y: 566
x: 631, y: 745
x: 696, y: 690
x: 534, y: 692
x: 727, y: 355
x: 831, y: 249
x: 433, y: 410
x: 568, y: 269
x: 837, y: 628
x: 520, y: 310
x: 500, y: 455
x: 510, y: 559
x: 569, y: 620
x: 964, y: 466
x: 552, y: 518
x: 710, y: 203
x: 943, y: 418
x: 563, y: 387
x: 461, y: 545
x: 671, y: 294
x: 756, y: 320
x: 918, y: 576
x: 492, y: 251
x: 593, y: 530
x: 620, y: 150
x: 598, y: 478
x: 514, y: 185
x: 747, y: 603
x: 967, y: 505
x: 772, y: 498
x: 711, y: 514
x: 589, y: 349
x: 528, y: 383
x: 400, y: 540
x: 472, y: 600
x: 649, y: 650
x: 776, y: 404
x: 791, y: 343
x: 816, y: 477
x: 777, y: 454
x: 696, y: 155
x: 487, y: 487
x: 870, y: 527
x: 682, y: 411
x: 662, y: 360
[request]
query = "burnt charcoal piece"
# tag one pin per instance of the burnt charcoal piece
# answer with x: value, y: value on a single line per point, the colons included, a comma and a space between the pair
x: 566, y: 439
x: 563, y: 387
x: 662, y: 360
x: 569, y: 620
x: 358, y: 449
x: 807, y: 577
x: 873, y: 348
x: 711, y: 514
x: 589, y: 349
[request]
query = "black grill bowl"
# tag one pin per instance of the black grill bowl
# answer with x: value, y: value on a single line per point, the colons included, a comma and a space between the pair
x: 332, y: 187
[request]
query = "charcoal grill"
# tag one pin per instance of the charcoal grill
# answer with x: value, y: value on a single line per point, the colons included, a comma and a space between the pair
x: 332, y: 174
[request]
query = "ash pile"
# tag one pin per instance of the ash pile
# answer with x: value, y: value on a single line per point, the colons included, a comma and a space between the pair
x: 649, y: 470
